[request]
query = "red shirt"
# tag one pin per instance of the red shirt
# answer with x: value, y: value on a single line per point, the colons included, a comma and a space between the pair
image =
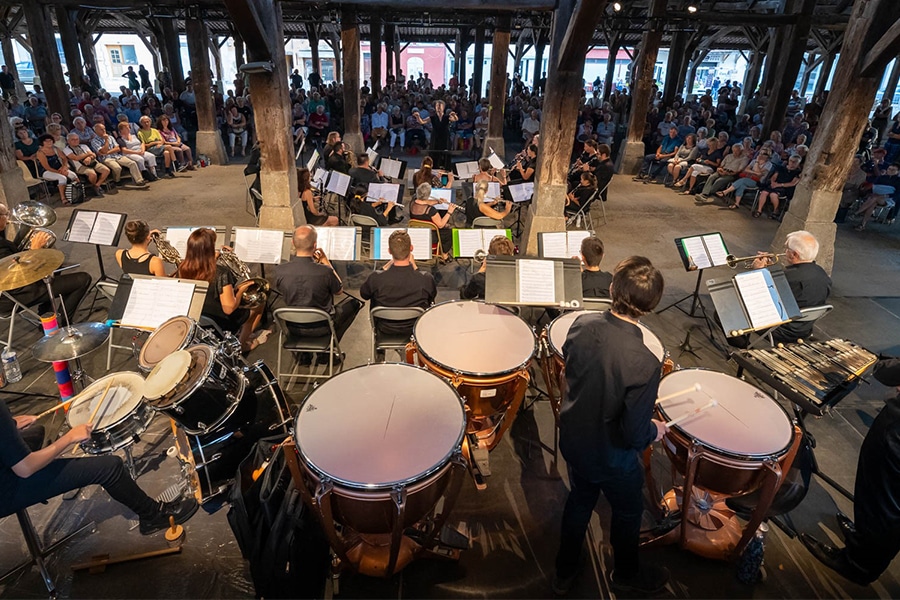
x: 318, y: 121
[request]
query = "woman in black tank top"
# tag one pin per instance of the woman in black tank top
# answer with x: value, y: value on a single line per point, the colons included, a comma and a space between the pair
x: 138, y: 260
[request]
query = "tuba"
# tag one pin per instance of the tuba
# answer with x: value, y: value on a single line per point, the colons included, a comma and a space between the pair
x: 167, y: 251
x: 32, y: 217
x: 257, y: 292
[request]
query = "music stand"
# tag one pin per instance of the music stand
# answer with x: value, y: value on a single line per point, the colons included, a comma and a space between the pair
x: 99, y: 228
x: 546, y: 283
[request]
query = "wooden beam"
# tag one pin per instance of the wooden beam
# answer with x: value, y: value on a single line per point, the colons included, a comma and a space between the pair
x: 886, y: 49
x: 497, y: 92
x: 170, y: 39
x: 312, y: 34
x: 209, y: 141
x: 485, y: 5
x: 46, y: 58
x: 375, y: 33
x: 350, y: 64
x: 65, y: 23
x: 478, y: 67
x: 580, y: 32
x: 247, y: 18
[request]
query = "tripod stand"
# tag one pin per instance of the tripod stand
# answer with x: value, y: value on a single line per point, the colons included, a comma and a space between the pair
x: 696, y: 303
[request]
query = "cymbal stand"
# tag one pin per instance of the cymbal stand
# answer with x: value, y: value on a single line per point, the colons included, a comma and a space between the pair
x: 79, y: 375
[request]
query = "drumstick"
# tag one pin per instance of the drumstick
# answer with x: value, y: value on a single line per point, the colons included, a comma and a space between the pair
x: 693, y: 388
x: 693, y: 413
x: 96, y: 410
x: 56, y: 408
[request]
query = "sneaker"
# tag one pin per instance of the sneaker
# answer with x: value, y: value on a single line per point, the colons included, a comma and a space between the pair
x: 648, y: 580
x: 563, y: 585
x: 183, y: 167
x: 98, y: 191
x: 170, y: 174
x: 182, y: 509
x: 638, y: 178
x: 140, y: 183
x: 151, y: 177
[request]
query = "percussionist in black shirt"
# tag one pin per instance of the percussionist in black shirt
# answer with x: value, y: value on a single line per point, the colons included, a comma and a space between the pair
x: 594, y: 282
x: 605, y: 423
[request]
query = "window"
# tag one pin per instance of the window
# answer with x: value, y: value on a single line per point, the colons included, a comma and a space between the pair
x: 129, y: 55
x: 115, y: 56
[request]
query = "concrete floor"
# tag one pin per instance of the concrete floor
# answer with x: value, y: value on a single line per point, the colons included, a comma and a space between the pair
x: 513, y: 525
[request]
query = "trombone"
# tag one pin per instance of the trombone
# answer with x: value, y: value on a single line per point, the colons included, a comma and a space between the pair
x: 771, y: 258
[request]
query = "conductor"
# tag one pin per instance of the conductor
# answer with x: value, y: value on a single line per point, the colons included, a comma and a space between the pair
x: 605, y: 424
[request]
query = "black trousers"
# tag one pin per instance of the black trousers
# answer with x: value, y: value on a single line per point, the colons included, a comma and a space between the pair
x: 344, y: 313
x: 72, y: 286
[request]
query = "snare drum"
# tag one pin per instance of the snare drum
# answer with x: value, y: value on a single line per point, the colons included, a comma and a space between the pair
x: 378, y: 447
x: 737, y: 437
x: 196, y: 388
x: 122, y: 418
x: 175, y: 334
x: 485, y: 351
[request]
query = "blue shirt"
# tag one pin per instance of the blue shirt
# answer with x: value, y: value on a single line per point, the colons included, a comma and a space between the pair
x: 669, y: 143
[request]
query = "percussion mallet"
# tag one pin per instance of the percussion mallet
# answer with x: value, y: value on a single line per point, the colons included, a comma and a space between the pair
x: 693, y: 388
x: 97, y: 409
x: 175, y: 533
x: 693, y: 413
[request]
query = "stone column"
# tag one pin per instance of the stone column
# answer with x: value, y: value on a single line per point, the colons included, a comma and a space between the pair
x: 632, y: 153
x: 499, y: 57
x: 46, y: 59
x: 350, y: 43
x: 478, y: 67
x: 12, y: 185
x: 209, y: 141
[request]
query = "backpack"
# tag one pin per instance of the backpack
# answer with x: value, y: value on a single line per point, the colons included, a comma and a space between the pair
x: 278, y: 535
x: 75, y: 192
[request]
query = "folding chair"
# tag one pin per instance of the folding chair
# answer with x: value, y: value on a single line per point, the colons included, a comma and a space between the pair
x: 297, y: 343
x: 487, y: 223
x: 31, y: 182
x: 17, y: 309
x: 253, y: 196
x: 596, y: 304
x: 390, y: 341
x: 366, y: 223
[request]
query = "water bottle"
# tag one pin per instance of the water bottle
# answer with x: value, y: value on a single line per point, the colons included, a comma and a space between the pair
x: 11, y: 366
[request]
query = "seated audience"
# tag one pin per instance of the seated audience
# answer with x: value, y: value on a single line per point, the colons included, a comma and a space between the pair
x: 780, y: 187
x: 753, y: 174
x: 156, y: 145
x: 110, y: 154
x: 85, y: 163
x: 730, y: 168
x: 135, y: 149
x: 652, y: 164
x: 173, y: 141
x: 54, y: 166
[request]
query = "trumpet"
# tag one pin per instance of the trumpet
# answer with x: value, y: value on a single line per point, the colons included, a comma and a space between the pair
x: 771, y: 258
x: 32, y: 217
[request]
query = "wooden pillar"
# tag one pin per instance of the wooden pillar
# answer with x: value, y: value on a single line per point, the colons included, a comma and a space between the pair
x: 170, y: 39
x: 209, y: 141
x: 312, y: 35
x: 478, y: 67
x: 398, y: 53
x: 824, y: 73
x: 65, y: 21
x: 462, y: 47
x: 238, y: 50
x: 389, y: 48
x: 674, y: 76
x: 611, y: 66
x: 336, y: 50
x: 86, y: 43
x: 751, y: 78
x: 9, y: 56
x: 375, y: 34
x: 216, y: 52
x: 572, y: 31
x: 698, y: 58
x: 788, y: 66
x: 830, y: 157
x: 46, y: 59
x: 12, y: 185
x: 499, y: 58
x: 539, y: 48
x: 350, y: 44
x: 891, y: 87
x: 774, y: 53
x: 632, y: 153
x: 810, y: 64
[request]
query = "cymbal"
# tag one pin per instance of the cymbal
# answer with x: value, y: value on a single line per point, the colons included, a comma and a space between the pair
x: 27, y: 267
x: 71, y: 342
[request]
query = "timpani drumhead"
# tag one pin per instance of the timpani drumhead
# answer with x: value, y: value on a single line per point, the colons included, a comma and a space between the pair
x: 559, y: 331
x: 124, y: 396
x: 474, y: 338
x: 174, y: 334
x: 167, y: 374
x: 745, y: 423
x: 380, y: 425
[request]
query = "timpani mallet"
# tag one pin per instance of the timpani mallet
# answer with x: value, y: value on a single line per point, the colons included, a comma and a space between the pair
x: 175, y: 533
x: 693, y: 388
x: 96, y: 410
x: 692, y: 413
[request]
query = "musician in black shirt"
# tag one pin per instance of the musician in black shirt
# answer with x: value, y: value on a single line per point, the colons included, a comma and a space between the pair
x: 605, y: 423
x: 594, y: 282
x: 523, y: 170
x: 500, y: 245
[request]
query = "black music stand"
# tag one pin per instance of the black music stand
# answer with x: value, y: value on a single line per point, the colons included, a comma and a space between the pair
x: 502, y: 282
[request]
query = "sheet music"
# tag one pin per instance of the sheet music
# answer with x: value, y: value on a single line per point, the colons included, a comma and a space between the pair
x: 258, y: 245
x: 419, y: 236
x: 389, y: 191
x: 391, y: 168
x: 154, y: 301
x: 470, y: 240
x: 715, y: 245
x: 105, y: 227
x: 555, y: 244
x: 178, y: 236
x: 522, y: 192
x: 536, y: 281
x: 468, y: 169
x: 760, y: 298
x: 445, y: 195
x: 493, y: 191
x: 313, y: 160
x: 320, y: 176
x: 339, y: 243
x: 495, y: 161
x: 82, y: 225
x: 696, y: 252
x: 338, y: 183
x: 573, y: 242
x: 373, y: 156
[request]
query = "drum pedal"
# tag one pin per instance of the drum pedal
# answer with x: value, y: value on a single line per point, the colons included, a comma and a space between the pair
x: 481, y: 460
x: 452, y: 538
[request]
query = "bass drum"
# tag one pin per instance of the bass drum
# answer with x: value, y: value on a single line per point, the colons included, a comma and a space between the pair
x: 210, y: 460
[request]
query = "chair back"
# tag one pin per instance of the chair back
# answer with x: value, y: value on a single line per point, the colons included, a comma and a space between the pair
x: 363, y: 221
x: 108, y: 289
x: 26, y: 174
x: 436, y: 248
x: 596, y: 304
x: 305, y: 316
x: 389, y: 313
x: 487, y: 223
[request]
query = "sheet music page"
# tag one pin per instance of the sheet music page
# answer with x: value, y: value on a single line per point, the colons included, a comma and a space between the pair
x: 338, y: 183
x: 391, y: 168
x: 82, y: 225
x: 760, y: 298
x: 320, y: 176
x: 555, y: 244
x: 373, y: 156
x: 154, y: 301
x: 696, y: 251
x: 522, y: 192
x: 339, y: 243
x: 495, y: 161
x: 105, y: 226
x: 388, y: 191
x: 574, y: 239
x: 471, y: 240
x: 446, y: 196
x: 178, y: 236
x: 536, y: 281
x: 311, y: 163
x: 467, y: 169
x: 258, y: 245
x: 715, y: 245
x: 493, y: 191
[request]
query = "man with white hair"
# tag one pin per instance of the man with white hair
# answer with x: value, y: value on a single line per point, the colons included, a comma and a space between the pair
x: 809, y: 282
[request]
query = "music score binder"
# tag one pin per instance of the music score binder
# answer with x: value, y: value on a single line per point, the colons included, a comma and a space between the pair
x: 390, y: 192
x: 145, y: 302
x: 419, y: 236
x: 533, y: 282
x: 561, y: 244
x: 494, y: 191
x: 391, y: 167
x: 466, y: 242
x: 466, y: 169
x: 702, y: 251
x: 95, y: 227
x: 752, y: 301
x: 521, y: 192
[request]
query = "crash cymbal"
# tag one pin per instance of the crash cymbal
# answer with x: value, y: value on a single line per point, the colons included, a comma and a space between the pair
x: 71, y: 342
x: 27, y: 267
